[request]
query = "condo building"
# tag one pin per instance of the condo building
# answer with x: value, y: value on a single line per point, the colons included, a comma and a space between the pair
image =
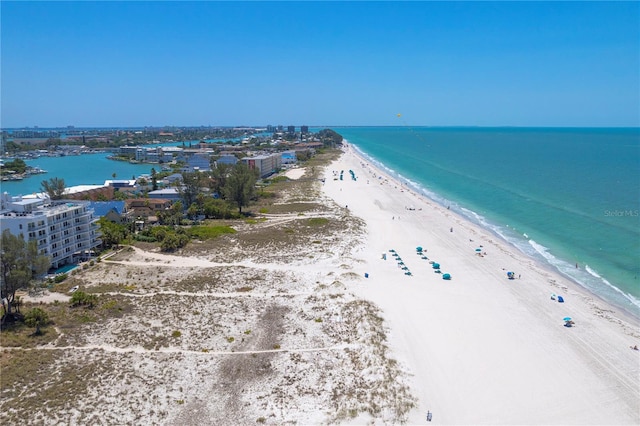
x: 65, y: 231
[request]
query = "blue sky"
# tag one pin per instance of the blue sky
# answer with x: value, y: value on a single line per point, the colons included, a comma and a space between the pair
x: 325, y: 63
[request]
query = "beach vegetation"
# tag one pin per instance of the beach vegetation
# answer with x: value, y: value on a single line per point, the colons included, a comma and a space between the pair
x: 209, y: 232
x: 54, y: 188
x: 36, y: 318
x: 16, y: 165
x: 240, y: 185
x: 267, y: 194
x: 80, y: 298
x: 173, y: 241
x: 20, y: 263
x: 219, y: 174
x: 330, y: 138
x: 176, y: 334
x: 302, y: 156
x: 190, y: 187
x: 58, y: 278
x: 215, y: 208
x: 113, y: 234
x: 280, y: 179
x: 317, y: 221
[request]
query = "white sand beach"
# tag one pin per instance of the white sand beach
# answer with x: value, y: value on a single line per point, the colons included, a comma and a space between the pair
x: 483, y: 348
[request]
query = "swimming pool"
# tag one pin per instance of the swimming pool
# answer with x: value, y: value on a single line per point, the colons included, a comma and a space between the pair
x: 66, y: 268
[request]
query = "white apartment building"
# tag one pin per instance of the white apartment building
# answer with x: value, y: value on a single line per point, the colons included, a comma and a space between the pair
x: 65, y: 231
x: 265, y: 164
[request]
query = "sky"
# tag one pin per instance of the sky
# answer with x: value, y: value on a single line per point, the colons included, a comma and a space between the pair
x: 99, y: 64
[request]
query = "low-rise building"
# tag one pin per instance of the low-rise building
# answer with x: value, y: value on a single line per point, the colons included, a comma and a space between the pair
x: 113, y: 211
x: 227, y: 159
x: 172, y: 194
x: 146, y: 207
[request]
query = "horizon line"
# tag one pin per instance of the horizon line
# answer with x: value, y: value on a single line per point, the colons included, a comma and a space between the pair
x: 71, y: 127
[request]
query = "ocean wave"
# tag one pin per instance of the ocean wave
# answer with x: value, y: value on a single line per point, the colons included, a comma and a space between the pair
x: 588, y: 278
x: 629, y: 297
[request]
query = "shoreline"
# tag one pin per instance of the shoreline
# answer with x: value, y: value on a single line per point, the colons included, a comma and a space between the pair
x: 458, y: 361
x: 631, y: 311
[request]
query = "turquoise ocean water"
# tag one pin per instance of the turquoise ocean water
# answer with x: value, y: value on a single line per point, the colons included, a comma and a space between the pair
x: 574, y: 193
x: 562, y: 196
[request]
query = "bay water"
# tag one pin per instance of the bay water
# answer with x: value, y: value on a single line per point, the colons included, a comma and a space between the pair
x: 85, y: 169
x: 564, y: 196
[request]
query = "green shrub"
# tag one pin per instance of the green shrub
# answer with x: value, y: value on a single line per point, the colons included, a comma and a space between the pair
x: 36, y: 318
x: 176, y: 333
x: 317, y: 221
x: 60, y: 277
x: 267, y: 194
x: 209, y: 232
x: 81, y: 298
x: 145, y: 238
x: 279, y: 179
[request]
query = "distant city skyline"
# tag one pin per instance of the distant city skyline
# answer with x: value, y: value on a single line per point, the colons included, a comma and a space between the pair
x: 224, y: 64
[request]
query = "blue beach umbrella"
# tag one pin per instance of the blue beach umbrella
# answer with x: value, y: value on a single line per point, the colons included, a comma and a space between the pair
x: 566, y: 319
x: 418, y: 248
x: 478, y: 249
